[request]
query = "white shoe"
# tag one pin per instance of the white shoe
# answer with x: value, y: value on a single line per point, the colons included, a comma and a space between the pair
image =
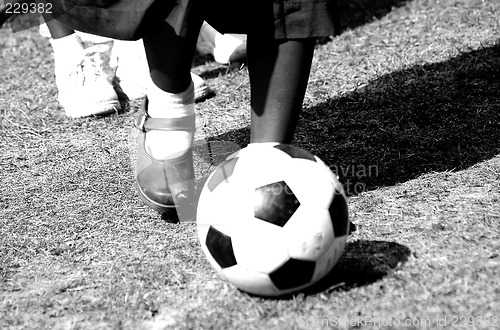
x: 132, y: 71
x: 201, y: 89
x: 225, y: 48
x: 83, y: 88
x: 128, y: 58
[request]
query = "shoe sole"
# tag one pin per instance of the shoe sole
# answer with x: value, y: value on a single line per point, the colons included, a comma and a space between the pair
x: 167, y: 212
x: 105, y: 108
x: 164, y: 210
x: 201, y: 93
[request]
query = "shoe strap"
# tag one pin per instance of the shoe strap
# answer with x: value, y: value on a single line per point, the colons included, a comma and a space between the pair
x: 145, y: 123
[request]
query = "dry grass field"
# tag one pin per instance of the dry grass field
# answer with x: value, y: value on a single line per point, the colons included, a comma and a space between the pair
x: 404, y: 105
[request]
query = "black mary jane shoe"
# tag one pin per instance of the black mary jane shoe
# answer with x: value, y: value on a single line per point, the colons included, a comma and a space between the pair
x: 151, y: 173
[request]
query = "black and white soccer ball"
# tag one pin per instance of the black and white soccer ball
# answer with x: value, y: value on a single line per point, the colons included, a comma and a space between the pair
x: 272, y: 219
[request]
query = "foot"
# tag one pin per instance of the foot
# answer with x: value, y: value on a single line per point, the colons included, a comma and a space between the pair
x: 165, y: 185
x: 132, y: 72
x: 225, y: 48
x: 83, y: 88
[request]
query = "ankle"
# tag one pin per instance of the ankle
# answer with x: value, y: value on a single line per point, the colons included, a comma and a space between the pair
x: 174, y: 141
x: 163, y: 104
x: 67, y: 50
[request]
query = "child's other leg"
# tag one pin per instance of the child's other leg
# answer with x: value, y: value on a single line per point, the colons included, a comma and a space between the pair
x: 225, y: 48
x: 169, y: 179
x: 82, y: 86
x: 279, y: 73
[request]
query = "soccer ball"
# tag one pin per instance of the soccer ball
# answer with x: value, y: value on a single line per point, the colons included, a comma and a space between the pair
x: 272, y: 219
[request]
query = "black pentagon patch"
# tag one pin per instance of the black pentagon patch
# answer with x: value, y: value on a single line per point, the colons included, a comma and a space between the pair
x: 220, y: 247
x: 295, y: 152
x: 221, y: 173
x: 339, y: 215
x: 293, y: 273
x: 275, y: 203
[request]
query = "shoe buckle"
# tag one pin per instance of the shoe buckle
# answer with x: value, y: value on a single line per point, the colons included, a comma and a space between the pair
x: 140, y: 122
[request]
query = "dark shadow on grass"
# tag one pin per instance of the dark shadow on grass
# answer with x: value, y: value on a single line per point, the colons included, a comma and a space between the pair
x: 434, y: 117
x: 363, y: 263
x: 354, y: 13
x: 219, y: 71
x: 200, y: 59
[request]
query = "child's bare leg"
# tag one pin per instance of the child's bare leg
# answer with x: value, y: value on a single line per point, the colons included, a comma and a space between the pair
x: 279, y: 72
x: 171, y: 100
x: 170, y: 56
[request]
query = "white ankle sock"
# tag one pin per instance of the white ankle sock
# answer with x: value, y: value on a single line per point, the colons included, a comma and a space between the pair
x: 170, y: 144
x: 163, y: 104
x: 67, y: 50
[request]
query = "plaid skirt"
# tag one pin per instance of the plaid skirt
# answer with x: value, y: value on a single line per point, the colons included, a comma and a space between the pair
x: 285, y: 19
x: 118, y: 19
x: 129, y: 19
